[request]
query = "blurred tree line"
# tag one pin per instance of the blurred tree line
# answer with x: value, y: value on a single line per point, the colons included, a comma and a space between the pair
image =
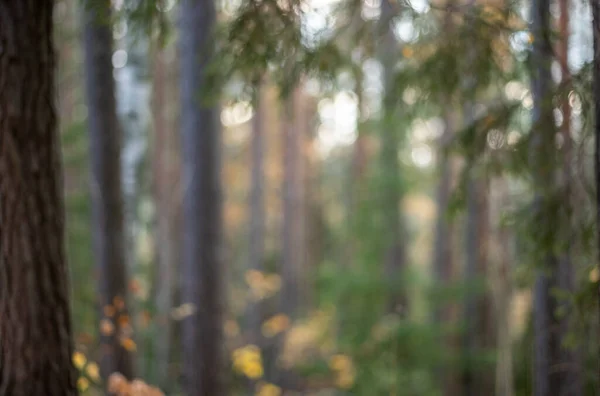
x: 311, y: 197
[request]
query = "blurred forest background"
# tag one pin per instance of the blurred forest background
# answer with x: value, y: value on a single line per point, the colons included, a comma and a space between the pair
x: 359, y: 197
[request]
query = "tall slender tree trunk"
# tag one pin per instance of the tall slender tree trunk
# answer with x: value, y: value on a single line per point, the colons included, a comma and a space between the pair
x: 291, y: 270
x: 167, y: 205
x: 35, y: 330
x: 107, y: 198
x: 395, y: 254
x: 478, y: 305
x: 200, y: 133
x: 444, y: 263
x: 443, y: 257
x: 547, y: 380
x: 570, y: 359
x: 256, y: 240
x: 312, y: 232
x: 504, y: 292
x: 596, y: 32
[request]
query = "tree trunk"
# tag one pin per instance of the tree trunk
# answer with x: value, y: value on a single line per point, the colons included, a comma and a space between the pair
x: 570, y: 359
x: 504, y: 292
x: 542, y: 149
x: 256, y: 240
x: 167, y: 205
x: 395, y: 253
x: 479, y: 336
x: 107, y: 199
x: 200, y: 133
x: 35, y: 330
x: 443, y: 264
x: 596, y: 32
x: 291, y: 270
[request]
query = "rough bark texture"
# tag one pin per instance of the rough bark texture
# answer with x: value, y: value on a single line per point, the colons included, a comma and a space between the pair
x: 547, y: 380
x: 107, y: 199
x: 596, y: 31
x: 200, y: 133
x: 35, y: 324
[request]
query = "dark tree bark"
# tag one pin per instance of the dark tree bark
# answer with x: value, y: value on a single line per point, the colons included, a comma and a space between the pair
x: 107, y: 198
x: 35, y: 326
x: 547, y: 380
x: 200, y: 133
x: 596, y: 31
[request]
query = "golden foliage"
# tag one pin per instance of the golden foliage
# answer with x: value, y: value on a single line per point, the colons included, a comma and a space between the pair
x: 247, y: 360
x: 79, y: 360
x: 93, y: 371
x: 275, y: 325
x: 594, y: 275
x: 267, y: 389
x: 83, y: 384
x: 305, y: 336
x: 262, y: 285
x: 106, y: 327
x: 128, y: 344
x: 343, y: 367
x: 118, y: 385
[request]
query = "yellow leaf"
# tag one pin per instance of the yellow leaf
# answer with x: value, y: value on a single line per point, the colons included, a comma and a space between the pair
x: 83, y: 384
x: 79, y: 360
x: 123, y: 320
x: 254, y: 278
x: 106, y: 327
x: 275, y: 325
x: 344, y: 381
x: 594, y: 275
x: 273, y: 283
x: 118, y: 384
x: 93, y: 371
x: 253, y: 370
x: 128, y: 344
x: 267, y: 389
x: 340, y: 362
